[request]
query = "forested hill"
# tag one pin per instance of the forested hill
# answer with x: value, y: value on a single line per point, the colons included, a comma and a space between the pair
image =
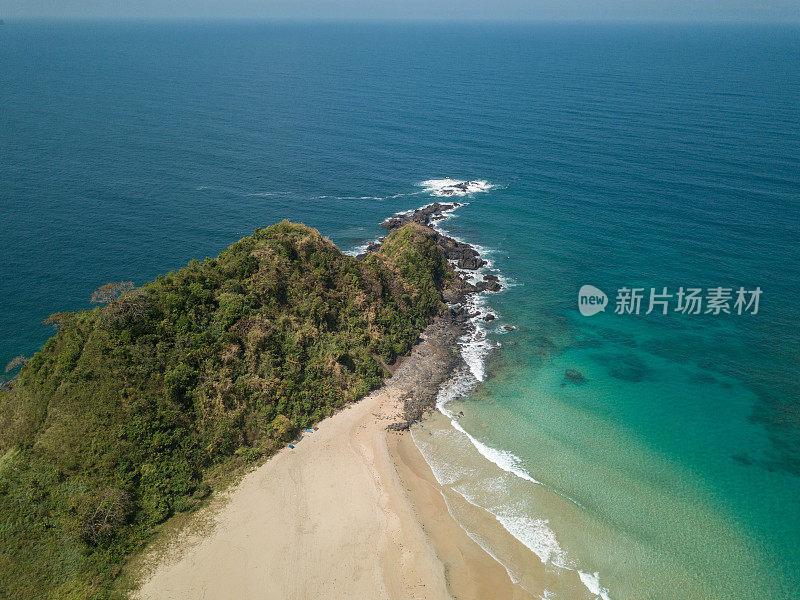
x: 115, y: 424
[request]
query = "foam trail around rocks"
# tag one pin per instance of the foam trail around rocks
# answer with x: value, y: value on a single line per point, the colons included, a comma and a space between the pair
x: 454, y: 187
x: 475, y: 348
x: 356, y: 250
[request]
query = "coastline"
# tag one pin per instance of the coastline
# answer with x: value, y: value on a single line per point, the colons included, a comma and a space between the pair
x: 637, y: 456
x: 351, y: 511
x: 298, y: 525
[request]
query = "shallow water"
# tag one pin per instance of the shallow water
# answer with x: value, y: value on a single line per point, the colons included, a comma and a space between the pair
x: 609, y: 155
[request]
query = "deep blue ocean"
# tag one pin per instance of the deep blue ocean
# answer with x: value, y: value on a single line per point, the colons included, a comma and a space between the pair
x: 643, y: 156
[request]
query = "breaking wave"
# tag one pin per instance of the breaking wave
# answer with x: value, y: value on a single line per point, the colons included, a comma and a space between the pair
x: 592, y: 583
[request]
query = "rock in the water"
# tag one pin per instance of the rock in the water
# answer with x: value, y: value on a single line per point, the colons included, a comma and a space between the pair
x: 574, y: 376
x: 470, y: 261
x: 489, y: 284
x: 489, y: 317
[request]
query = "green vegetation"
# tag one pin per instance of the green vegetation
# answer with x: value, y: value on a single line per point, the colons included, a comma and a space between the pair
x: 116, y: 423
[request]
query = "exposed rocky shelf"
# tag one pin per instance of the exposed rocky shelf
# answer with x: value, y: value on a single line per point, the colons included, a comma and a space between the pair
x: 431, y: 363
x: 436, y: 357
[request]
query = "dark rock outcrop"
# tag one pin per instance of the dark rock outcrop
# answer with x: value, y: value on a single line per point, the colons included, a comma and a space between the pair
x: 465, y: 256
x: 431, y: 363
x: 424, y: 216
x: 488, y: 286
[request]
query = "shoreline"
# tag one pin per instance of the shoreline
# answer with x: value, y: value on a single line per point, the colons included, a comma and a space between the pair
x: 352, y: 511
x: 472, y: 567
x: 295, y: 527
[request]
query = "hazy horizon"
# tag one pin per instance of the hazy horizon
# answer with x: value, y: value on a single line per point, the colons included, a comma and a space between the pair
x: 679, y: 11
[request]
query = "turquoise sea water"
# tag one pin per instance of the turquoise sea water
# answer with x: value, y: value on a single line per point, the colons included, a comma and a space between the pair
x: 635, y: 155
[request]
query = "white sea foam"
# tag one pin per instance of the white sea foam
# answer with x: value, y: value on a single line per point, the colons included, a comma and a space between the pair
x: 361, y: 248
x: 475, y: 347
x: 480, y: 541
x: 592, y: 583
x: 461, y: 384
x: 356, y: 250
x: 392, y: 197
x: 535, y: 534
x: 262, y: 194
x: 474, y: 350
x: 532, y: 532
x: 454, y: 187
x: 445, y: 213
x: 476, y: 275
x: 508, y: 461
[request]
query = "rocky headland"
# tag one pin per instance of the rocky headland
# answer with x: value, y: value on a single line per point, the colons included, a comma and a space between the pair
x: 437, y: 356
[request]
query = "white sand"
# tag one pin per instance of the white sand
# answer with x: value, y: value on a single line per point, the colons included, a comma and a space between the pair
x: 329, y: 519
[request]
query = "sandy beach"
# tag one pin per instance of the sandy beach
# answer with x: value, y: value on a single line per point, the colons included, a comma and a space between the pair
x: 353, y: 511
